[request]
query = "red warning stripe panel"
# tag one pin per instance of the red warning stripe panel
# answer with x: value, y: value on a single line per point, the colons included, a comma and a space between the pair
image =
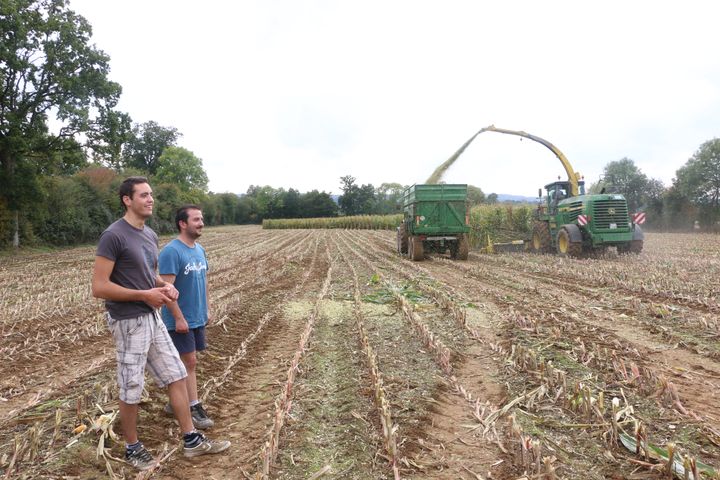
x: 582, y: 220
x: 639, y: 218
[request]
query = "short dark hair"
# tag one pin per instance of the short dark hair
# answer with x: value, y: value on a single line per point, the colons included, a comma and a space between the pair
x: 127, y: 187
x: 182, y: 214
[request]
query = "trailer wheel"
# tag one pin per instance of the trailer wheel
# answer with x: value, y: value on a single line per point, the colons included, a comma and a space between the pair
x: 541, y: 241
x: 415, y: 248
x: 402, y: 239
x: 634, y: 246
x: 566, y: 247
x: 461, y: 249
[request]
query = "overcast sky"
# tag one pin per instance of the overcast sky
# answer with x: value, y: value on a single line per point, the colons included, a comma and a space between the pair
x: 294, y: 93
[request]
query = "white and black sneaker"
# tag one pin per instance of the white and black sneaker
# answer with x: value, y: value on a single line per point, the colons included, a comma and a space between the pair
x: 200, y: 417
x: 139, y: 458
x: 199, y: 444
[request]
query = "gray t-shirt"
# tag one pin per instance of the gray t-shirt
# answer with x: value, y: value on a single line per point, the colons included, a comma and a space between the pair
x: 135, y: 253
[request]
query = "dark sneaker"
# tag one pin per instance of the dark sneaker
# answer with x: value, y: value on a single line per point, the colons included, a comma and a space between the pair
x: 140, y: 458
x: 200, y: 417
x: 206, y: 447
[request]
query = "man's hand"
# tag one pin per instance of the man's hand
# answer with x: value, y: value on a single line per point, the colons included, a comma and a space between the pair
x: 170, y: 291
x: 209, y: 317
x: 181, y: 325
x: 157, y: 297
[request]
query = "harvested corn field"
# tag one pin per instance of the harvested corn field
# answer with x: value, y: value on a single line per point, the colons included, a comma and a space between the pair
x: 333, y: 357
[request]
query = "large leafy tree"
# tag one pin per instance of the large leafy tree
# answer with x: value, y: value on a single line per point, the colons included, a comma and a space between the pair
x: 699, y: 181
x: 48, y: 68
x: 623, y: 176
x: 268, y: 202
x: 315, y: 204
x: 291, y: 204
x: 106, y: 143
x: 356, y: 200
x: 389, y: 197
x: 348, y: 199
x: 181, y: 167
x: 147, y: 142
x: 475, y: 195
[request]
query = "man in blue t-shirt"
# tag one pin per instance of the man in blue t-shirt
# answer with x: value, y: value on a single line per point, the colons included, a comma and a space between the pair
x: 183, y: 263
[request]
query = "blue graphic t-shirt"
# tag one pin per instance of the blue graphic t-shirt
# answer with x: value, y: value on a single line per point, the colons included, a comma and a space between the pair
x: 189, y: 265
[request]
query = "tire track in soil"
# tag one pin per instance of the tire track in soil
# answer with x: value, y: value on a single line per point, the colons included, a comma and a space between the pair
x: 698, y: 392
x: 698, y: 389
x: 625, y: 303
x: 690, y: 385
x: 443, y: 443
x: 675, y: 358
x: 243, y: 406
x: 327, y: 423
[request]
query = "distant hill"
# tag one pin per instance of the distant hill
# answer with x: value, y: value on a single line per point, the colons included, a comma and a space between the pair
x: 504, y: 197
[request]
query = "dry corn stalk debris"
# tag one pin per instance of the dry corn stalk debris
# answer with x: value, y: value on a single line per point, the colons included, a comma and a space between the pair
x: 578, y: 353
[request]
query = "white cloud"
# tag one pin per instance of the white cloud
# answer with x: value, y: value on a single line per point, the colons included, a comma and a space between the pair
x: 296, y: 94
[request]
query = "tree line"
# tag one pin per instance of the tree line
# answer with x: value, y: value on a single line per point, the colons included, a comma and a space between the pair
x: 692, y: 201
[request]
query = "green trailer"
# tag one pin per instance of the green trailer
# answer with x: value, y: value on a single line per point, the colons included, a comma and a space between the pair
x: 435, y: 219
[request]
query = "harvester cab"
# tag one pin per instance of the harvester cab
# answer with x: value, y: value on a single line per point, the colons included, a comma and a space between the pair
x: 556, y: 192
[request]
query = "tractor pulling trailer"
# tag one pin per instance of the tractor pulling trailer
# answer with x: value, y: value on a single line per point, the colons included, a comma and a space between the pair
x: 569, y: 221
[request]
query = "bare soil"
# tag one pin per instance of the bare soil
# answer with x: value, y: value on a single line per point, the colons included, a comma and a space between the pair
x: 499, y: 367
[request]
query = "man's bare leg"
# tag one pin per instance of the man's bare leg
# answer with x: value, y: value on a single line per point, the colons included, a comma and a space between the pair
x: 128, y: 420
x: 177, y: 391
x: 190, y: 361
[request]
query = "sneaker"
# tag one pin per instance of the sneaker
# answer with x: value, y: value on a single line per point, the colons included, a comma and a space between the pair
x: 168, y: 409
x: 140, y: 458
x: 206, y: 446
x: 200, y: 417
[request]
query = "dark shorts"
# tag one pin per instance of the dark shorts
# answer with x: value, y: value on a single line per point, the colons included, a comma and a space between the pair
x: 192, y: 341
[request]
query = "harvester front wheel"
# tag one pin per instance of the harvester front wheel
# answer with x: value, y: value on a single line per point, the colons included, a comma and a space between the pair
x: 541, y: 241
x: 415, y: 248
x: 402, y: 239
x: 635, y: 246
x: 566, y: 247
x: 460, y: 251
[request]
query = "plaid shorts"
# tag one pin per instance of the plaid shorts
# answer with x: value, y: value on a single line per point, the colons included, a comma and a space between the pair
x: 142, y: 341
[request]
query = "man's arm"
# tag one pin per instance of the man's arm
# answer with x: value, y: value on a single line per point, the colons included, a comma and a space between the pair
x: 207, y: 302
x: 103, y: 287
x: 181, y: 325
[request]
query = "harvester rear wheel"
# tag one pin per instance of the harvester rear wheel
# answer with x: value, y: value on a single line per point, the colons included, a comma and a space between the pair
x: 460, y: 251
x: 402, y: 239
x: 566, y: 247
x: 415, y: 248
x: 541, y: 241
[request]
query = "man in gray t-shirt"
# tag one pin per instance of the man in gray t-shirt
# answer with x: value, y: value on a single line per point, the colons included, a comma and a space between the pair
x: 125, y: 276
x: 135, y: 254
